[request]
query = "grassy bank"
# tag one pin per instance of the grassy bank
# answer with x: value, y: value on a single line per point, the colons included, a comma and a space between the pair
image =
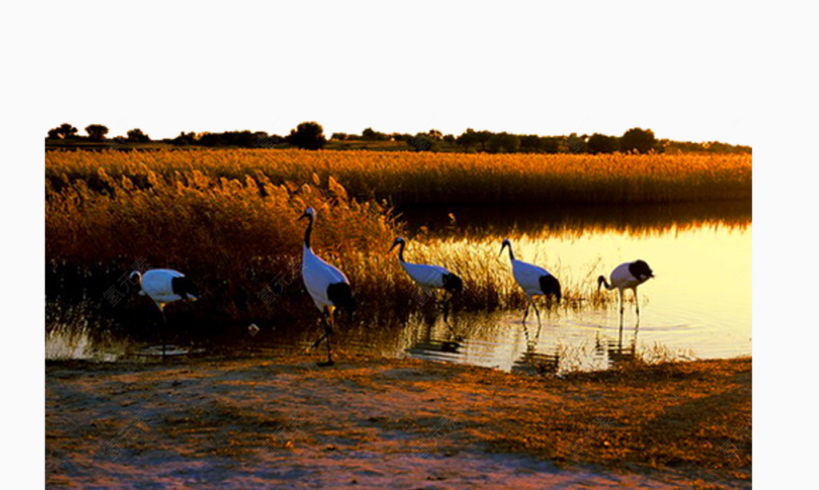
x: 374, y: 421
x: 407, y: 178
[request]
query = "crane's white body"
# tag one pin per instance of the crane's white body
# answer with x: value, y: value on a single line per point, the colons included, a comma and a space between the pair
x: 430, y: 277
x: 528, y: 276
x: 532, y: 279
x: 157, y: 284
x: 427, y: 276
x: 326, y: 285
x: 318, y: 275
x: 621, y: 278
x: 627, y: 275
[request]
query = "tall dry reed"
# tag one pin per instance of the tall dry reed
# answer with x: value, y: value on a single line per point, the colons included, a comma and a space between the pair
x: 406, y: 178
x: 227, y: 218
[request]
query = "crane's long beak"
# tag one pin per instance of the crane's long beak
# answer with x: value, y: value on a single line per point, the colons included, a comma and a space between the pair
x: 393, y: 246
x: 304, y: 215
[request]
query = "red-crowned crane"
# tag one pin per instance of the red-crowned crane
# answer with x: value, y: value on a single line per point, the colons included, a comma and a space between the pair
x: 165, y: 286
x: 627, y: 275
x: 327, y: 285
x: 534, y: 280
x: 429, y: 277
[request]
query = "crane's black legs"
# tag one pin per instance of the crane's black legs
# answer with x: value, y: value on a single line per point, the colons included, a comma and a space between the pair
x: 526, y: 310
x: 447, y: 298
x: 328, y: 331
x: 636, y: 303
x: 447, y: 302
x: 163, y: 327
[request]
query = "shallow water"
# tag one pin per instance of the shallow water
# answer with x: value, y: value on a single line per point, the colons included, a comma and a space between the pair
x: 697, y: 306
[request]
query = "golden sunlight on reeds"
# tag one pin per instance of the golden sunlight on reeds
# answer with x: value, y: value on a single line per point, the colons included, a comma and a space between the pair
x: 407, y: 178
x: 227, y: 218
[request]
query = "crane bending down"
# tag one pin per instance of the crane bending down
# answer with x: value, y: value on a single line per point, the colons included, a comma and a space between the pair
x: 165, y: 286
x: 627, y: 275
x: 327, y: 285
x: 534, y: 280
x: 430, y: 277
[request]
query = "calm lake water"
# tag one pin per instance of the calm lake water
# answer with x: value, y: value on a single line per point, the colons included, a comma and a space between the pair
x: 697, y: 307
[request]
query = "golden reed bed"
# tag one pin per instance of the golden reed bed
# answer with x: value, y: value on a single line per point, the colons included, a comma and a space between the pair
x: 227, y: 219
x: 408, y: 178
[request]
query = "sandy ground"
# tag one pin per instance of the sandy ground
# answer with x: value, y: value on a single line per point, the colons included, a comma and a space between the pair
x: 363, y: 423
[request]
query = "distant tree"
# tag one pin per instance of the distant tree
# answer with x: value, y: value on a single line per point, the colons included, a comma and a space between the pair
x: 483, y: 138
x: 421, y: 142
x: 510, y: 142
x: 639, y: 140
x: 531, y: 143
x: 96, y: 132
x: 575, y: 143
x: 493, y: 145
x: 339, y: 136
x: 270, y: 140
x: 600, y: 143
x: 63, y: 131
x: 449, y: 139
x: 54, y: 133
x: 550, y: 144
x: 400, y: 136
x: 503, y: 142
x: 137, y: 136
x: 468, y: 139
x: 210, y: 139
x: 435, y: 134
x: 261, y: 137
x: 184, y: 139
x: 307, y: 135
x: 242, y: 139
x: 370, y: 134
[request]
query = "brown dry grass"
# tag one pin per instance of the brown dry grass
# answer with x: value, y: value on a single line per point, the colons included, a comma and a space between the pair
x: 407, y: 178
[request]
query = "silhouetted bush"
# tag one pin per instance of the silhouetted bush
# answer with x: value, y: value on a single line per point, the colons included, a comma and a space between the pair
x: 96, y: 132
x: 600, y: 143
x: 370, y: 134
x: 639, y: 140
x: 307, y: 135
x: 421, y: 142
x: 137, y: 136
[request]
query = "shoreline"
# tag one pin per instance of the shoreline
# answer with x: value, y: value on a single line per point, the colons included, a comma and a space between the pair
x: 371, y: 421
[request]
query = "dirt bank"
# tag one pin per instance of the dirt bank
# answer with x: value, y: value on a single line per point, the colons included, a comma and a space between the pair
x: 369, y: 422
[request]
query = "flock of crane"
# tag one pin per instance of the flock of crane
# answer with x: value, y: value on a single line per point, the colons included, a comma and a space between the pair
x: 330, y: 289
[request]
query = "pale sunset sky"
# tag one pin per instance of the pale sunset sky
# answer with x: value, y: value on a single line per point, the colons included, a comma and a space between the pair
x: 543, y: 68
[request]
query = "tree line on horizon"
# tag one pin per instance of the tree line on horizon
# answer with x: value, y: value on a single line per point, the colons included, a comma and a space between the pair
x: 310, y: 135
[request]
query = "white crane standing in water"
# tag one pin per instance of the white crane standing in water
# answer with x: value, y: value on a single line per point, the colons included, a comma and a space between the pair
x: 627, y: 275
x: 165, y: 286
x: 534, y: 280
x: 327, y: 285
x: 430, y: 277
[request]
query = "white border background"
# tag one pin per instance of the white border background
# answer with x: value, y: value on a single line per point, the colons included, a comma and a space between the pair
x: 777, y: 42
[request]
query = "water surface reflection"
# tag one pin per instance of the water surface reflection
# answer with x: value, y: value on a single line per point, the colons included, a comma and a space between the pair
x: 698, y: 306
